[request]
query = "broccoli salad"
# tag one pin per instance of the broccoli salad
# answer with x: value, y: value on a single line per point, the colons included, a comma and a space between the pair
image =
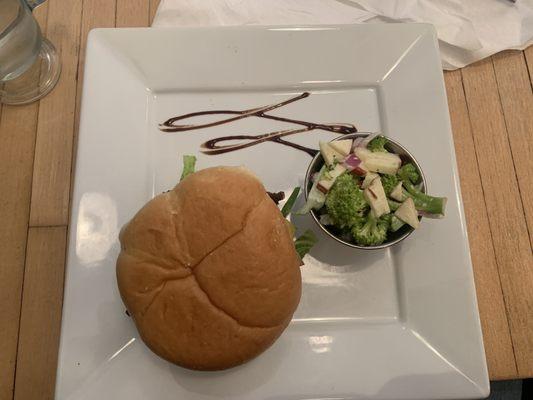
x: 366, y: 194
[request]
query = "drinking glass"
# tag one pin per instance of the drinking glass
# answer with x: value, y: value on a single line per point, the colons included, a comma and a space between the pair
x: 29, y: 63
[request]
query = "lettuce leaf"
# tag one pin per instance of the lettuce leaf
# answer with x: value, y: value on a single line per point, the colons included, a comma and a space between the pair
x: 289, y: 204
x: 189, y: 163
x: 305, y: 242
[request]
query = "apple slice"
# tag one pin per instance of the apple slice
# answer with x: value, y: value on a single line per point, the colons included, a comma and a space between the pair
x: 375, y: 196
x: 337, y: 171
x: 362, y: 153
x: 326, y: 183
x: 407, y: 213
x: 369, y: 177
x: 397, y: 192
x: 329, y: 153
x: 385, y: 163
x: 344, y: 146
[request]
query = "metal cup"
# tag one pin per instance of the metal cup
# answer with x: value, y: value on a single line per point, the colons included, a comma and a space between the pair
x: 396, y: 237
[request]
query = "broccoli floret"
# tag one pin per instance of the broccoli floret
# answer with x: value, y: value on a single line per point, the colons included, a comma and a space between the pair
x: 423, y: 202
x: 387, y: 219
x: 392, y: 222
x: 409, y: 173
x: 370, y: 232
x: 389, y: 182
x: 378, y: 144
x: 345, y: 202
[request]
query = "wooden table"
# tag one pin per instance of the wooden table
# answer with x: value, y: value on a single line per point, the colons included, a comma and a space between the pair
x: 491, y: 107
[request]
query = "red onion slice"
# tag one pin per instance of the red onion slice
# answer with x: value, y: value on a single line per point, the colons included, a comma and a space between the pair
x: 351, y: 162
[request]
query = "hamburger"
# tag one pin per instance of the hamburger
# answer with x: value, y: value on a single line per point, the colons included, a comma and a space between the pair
x: 208, y: 270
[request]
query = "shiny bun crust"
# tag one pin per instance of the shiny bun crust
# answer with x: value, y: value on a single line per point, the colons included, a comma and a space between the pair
x: 208, y: 270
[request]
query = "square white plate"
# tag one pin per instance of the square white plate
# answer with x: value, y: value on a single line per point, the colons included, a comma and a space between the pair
x: 393, y: 324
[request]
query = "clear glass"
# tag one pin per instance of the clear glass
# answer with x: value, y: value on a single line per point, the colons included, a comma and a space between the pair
x: 29, y: 63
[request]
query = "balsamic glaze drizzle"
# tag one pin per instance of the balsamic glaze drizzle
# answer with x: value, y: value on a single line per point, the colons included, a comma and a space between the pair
x: 215, y: 146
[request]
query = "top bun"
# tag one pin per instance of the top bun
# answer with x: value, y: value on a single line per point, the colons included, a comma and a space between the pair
x: 208, y: 270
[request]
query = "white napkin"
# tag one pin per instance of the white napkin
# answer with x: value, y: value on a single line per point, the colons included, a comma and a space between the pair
x: 468, y: 30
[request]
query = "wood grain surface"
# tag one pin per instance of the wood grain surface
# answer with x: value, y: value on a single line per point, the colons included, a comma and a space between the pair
x: 495, y: 326
x: 516, y: 97
x: 491, y: 110
x: 17, y: 146
x: 504, y: 205
x: 55, y: 127
x: 41, y: 313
